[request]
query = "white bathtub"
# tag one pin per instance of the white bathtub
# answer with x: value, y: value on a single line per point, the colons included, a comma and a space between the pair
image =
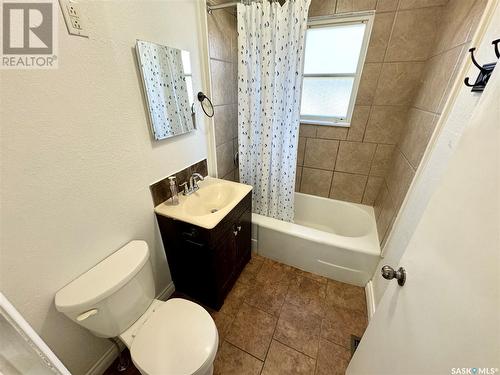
x: 329, y: 237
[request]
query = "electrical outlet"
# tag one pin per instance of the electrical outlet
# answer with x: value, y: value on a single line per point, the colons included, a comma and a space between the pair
x: 72, y: 10
x: 73, y: 17
x: 75, y: 22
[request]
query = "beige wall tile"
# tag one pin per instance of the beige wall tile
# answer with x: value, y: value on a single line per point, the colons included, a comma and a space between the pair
x: 358, y: 123
x: 413, y: 35
x: 386, y: 5
x: 399, y: 178
x: 379, y: 200
x: 368, y: 83
x: 348, y: 187
x: 234, y: 38
x: 386, y: 124
x: 382, y: 160
x: 224, y: 158
x: 235, y: 144
x: 321, y: 153
x: 332, y: 132
x: 316, y: 182
x: 301, y: 150
x: 440, y: 70
x: 230, y: 176
x: 417, y: 134
x: 225, y: 122
x: 386, y: 212
x: 222, y: 92
x: 298, y: 177
x: 379, y: 38
x: 306, y: 130
x: 220, y: 34
x: 322, y: 8
x: 355, y: 157
x: 459, y: 23
x: 372, y: 188
x: 398, y: 83
x: 237, y: 175
x: 347, y: 6
x: 464, y: 54
x: 412, y: 4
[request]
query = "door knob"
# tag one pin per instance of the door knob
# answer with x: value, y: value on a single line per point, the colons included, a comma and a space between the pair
x: 388, y: 273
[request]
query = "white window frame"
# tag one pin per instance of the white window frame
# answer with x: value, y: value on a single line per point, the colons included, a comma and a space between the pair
x: 344, y: 19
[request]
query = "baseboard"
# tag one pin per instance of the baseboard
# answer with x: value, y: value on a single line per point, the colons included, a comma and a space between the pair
x: 104, y: 362
x: 110, y: 355
x: 370, y: 299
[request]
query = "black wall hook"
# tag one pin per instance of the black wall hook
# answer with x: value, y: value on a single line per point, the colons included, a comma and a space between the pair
x: 484, y: 71
x: 495, y: 43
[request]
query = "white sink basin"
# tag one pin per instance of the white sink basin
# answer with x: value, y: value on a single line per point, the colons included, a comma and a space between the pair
x: 208, y: 205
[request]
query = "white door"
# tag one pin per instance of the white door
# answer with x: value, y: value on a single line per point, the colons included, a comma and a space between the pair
x: 446, y: 318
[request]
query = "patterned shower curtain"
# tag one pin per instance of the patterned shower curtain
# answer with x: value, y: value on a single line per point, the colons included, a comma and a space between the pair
x: 270, y: 62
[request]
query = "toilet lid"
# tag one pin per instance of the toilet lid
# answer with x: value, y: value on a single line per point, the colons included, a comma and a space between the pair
x: 180, y: 338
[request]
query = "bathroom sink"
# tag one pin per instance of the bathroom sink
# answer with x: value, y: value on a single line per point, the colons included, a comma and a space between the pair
x: 206, y: 207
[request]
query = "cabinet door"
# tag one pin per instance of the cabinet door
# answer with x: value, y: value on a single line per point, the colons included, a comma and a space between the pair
x: 193, y: 274
x: 225, y: 262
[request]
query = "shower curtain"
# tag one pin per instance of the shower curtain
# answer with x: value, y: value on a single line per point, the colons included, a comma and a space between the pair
x: 270, y: 62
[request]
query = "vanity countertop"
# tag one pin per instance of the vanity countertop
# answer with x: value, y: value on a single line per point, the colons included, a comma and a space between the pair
x: 206, y: 207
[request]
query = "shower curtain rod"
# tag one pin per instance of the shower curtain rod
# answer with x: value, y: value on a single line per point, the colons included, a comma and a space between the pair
x: 211, y: 8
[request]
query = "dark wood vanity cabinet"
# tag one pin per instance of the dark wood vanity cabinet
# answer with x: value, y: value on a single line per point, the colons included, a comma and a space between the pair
x: 205, y: 263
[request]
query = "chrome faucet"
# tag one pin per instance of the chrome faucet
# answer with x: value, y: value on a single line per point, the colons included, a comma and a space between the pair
x: 193, y: 184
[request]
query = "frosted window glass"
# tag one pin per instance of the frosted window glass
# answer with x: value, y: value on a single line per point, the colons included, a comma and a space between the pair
x: 189, y: 85
x: 333, y: 49
x: 326, y: 96
x: 186, y: 62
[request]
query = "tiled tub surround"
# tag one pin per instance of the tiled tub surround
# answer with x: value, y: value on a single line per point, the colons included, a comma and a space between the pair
x: 280, y: 320
x: 222, y: 42
x: 160, y: 191
x: 457, y: 26
x: 350, y: 163
x: 405, y: 82
x: 414, y: 52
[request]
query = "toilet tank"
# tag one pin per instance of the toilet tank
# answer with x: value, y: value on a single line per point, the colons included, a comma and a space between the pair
x: 111, y: 296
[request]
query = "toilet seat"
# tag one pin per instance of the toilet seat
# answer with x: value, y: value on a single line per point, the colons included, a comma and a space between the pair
x: 179, y: 338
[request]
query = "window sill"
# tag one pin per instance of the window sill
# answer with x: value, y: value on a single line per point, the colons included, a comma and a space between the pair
x: 326, y: 123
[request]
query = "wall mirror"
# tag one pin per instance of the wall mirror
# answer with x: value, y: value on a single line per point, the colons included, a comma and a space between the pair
x: 168, y: 88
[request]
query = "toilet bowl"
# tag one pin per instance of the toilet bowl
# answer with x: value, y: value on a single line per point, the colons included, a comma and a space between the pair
x: 116, y: 299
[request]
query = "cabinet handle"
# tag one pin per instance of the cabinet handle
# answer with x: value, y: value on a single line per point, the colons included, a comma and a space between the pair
x: 238, y: 227
x: 192, y: 232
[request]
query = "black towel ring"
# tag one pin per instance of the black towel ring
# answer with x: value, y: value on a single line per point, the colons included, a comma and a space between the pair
x: 201, y: 98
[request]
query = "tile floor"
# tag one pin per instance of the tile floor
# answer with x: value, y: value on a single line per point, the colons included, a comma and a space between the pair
x: 280, y: 320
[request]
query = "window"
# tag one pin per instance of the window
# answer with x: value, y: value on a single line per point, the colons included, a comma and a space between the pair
x: 334, y: 56
x: 188, y: 74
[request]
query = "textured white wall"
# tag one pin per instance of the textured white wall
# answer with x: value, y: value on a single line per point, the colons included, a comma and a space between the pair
x: 77, y: 160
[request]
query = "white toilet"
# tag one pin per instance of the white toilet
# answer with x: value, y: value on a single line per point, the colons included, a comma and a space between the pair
x: 116, y: 299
